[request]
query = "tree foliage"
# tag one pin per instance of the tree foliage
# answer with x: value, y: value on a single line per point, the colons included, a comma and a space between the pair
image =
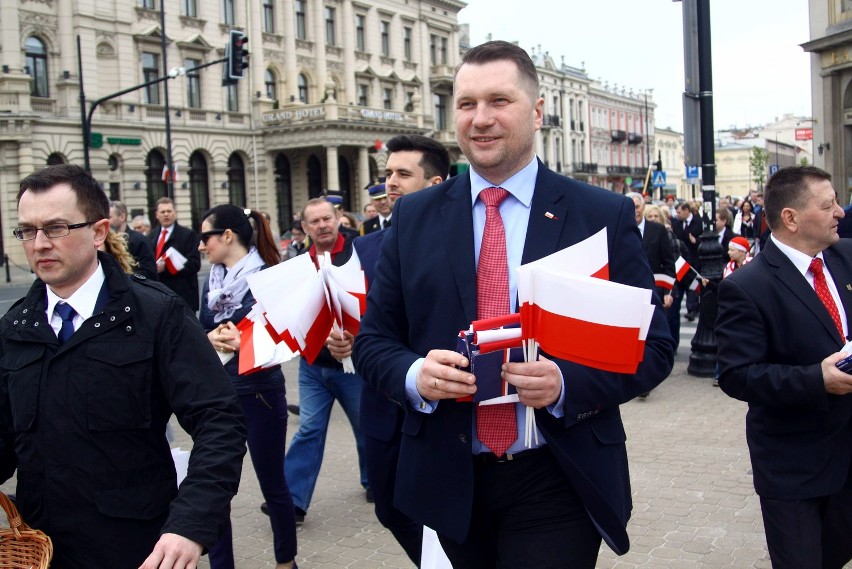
x: 758, y: 162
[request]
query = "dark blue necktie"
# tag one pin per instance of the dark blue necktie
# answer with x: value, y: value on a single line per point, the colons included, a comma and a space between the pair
x: 67, y: 313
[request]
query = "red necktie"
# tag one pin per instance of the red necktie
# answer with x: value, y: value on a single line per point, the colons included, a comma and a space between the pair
x: 161, y: 243
x: 495, y: 424
x: 821, y: 288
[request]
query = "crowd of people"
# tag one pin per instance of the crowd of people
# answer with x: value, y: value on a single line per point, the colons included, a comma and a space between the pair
x: 114, y: 338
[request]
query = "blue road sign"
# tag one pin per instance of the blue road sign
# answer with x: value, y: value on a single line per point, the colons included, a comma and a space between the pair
x: 772, y: 169
x: 659, y: 180
x: 693, y: 172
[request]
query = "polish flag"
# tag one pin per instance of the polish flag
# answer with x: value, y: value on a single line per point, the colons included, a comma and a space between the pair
x: 588, y: 321
x: 664, y: 281
x: 258, y: 350
x: 175, y: 262
x: 695, y: 285
x: 681, y: 268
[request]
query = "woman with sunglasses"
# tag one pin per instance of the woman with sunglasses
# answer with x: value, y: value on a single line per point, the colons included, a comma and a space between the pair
x: 235, y: 250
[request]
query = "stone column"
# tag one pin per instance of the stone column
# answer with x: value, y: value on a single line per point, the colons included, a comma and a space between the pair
x: 291, y: 90
x: 348, y: 24
x: 318, y: 8
x: 332, y: 174
x: 363, y: 177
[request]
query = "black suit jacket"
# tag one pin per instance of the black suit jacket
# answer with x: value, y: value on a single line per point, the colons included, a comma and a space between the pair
x: 140, y: 248
x: 424, y: 292
x: 773, y: 332
x: 371, y: 225
x: 185, y: 282
x: 727, y: 235
x: 658, y: 250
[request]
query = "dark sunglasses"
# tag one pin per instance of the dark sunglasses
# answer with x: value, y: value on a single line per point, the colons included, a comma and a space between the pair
x: 206, y: 235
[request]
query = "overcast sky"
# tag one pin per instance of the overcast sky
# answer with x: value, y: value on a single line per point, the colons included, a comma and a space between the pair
x: 759, y: 70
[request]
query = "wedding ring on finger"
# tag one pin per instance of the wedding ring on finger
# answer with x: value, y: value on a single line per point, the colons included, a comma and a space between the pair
x: 436, y: 383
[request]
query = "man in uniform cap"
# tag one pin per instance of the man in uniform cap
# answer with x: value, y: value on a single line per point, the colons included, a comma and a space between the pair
x: 379, y: 195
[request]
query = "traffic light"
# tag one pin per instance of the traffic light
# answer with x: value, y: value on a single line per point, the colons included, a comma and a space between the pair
x: 237, y: 55
x: 659, y: 162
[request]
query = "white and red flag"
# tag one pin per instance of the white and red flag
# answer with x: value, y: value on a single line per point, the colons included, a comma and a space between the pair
x: 174, y: 260
x: 681, y: 268
x: 664, y: 281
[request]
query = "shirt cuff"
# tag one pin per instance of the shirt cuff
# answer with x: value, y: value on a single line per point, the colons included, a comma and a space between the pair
x: 414, y: 399
x: 557, y: 408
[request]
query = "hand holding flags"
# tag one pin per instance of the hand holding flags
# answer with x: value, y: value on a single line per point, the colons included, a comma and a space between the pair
x: 318, y: 301
x: 174, y: 260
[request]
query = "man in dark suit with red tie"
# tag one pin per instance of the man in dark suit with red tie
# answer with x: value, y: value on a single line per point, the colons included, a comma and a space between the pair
x: 783, y: 319
x: 185, y: 241
x: 493, y: 502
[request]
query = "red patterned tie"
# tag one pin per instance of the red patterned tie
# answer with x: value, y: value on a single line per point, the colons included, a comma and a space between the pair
x: 495, y: 424
x: 161, y: 243
x: 821, y: 288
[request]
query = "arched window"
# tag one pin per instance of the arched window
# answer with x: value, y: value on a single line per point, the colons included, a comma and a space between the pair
x: 199, y: 192
x: 314, y: 177
x: 155, y: 187
x: 269, y: 81
x: 283, y: 193
x: 236, y: 181
x: 303, y: 88
x: 37, y: 66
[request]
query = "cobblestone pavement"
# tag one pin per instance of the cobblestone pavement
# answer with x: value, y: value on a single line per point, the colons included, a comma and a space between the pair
x: 694, y: 504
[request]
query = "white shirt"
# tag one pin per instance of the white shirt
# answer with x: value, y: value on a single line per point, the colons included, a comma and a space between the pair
x: 82, y: 301
x: 802, y: 262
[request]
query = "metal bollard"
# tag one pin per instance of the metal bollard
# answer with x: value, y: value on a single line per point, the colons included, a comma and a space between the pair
x: 6, y: 262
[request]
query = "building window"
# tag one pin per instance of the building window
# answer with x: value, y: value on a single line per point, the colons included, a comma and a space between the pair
x: 303, y: 88
x: 329, y: 26
x: 193, y: 84
x: 360, y: 36
x: 190, y: 8
x: 268, y: 16
x: 232, y: 96
x: 385, y: 38
x: 409, y: 102
x: 199, y: 188
x: 442, y: 51
x: 387, y: 98
x: 440, y: 112
x: 151, y: 71
x: 236, y: 181
x: 406, y: 42
x: 228, y: 12
x: 37, y: 65
x: 269, y: 82
x: 433, y: 49
x: 301, y: 20
x: 148, y: 4
x: 363, y: 91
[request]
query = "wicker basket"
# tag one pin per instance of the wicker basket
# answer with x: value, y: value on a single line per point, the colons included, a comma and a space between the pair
x: 20, y: 545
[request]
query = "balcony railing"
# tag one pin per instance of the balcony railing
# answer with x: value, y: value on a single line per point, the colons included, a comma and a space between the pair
x: 634, y: 138
x: 551, y: 120
x: 586, y: 167
x: 618, y: 135
x: 618, y: 170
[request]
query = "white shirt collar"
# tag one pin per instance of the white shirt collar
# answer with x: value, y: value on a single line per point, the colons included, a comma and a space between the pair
x: 521, y: 185
x: 802, y: 261
x: 84, y: 298
x: 641, y: 227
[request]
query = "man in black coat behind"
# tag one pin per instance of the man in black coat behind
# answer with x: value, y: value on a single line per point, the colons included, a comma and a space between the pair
x: 185, y: 241
x: 137, y: 244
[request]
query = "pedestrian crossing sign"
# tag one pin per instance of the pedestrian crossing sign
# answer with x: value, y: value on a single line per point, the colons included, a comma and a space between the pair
x: 659, y: 180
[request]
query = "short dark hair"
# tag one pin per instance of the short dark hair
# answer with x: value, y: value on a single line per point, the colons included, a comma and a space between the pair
x: 726, y: 216
x: 683, y: 205
x: 499, y: 50
x: 119, y: 207
x: 435, y: 159
x: 91, y: 199
x: 788, y: 187
x: 165, y: 201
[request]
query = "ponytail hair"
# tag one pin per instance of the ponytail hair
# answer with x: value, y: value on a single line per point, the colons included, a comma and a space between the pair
x: 264, y: 239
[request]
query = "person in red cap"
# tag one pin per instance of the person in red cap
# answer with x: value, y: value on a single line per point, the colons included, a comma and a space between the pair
x: 738, y: 251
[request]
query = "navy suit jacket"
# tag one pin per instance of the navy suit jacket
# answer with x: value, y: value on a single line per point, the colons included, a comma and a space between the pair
x: 424, y: 292
x: 659, y: 251
x: 380, y: 417
x: 773, y: 332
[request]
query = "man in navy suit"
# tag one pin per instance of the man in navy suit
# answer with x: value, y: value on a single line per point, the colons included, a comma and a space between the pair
x: 414, y: 162
x: 780, y: 330
x: 530, y: 507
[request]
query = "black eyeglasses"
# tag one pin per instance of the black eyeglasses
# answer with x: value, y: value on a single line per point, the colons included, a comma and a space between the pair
x: 52, y: 231
x: 206, y: 235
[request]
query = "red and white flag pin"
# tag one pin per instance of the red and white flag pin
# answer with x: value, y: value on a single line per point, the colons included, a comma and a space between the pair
x: 549, y: 215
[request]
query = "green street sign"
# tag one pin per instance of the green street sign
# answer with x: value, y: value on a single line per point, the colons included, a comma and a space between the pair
x: 96, y: 140
x: 125, y: 141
